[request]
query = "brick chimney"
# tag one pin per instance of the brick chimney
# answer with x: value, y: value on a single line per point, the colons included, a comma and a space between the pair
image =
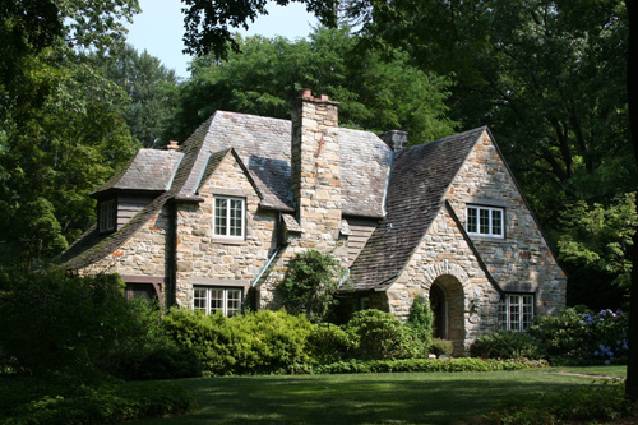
x: 396, y: 139
x: 315, y: 169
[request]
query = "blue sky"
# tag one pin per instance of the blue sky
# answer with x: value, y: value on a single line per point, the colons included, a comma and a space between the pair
x: 160, y: 26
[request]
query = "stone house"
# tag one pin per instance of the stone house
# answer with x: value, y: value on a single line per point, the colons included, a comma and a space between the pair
x: 211, y: 223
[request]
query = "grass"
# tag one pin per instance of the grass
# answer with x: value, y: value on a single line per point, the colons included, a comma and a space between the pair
x: 402, y: 398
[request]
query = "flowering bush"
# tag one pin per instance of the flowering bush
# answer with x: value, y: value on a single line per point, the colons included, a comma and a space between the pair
x: 583, y: 337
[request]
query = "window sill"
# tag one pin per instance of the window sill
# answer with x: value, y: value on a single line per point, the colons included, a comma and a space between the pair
x: 476, y: 237
x: 228, y: 241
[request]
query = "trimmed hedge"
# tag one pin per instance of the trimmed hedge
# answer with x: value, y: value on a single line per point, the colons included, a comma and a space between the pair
x: 428, y: 365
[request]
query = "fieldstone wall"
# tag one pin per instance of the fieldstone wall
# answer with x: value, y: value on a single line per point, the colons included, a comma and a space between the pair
x: 202, y: 257
x: 443, y: 255
x: 316, y: 181
x: 522, y: 261
x: 143, y: 254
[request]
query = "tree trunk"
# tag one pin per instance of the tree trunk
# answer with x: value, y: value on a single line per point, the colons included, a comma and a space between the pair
x: 632, y: 95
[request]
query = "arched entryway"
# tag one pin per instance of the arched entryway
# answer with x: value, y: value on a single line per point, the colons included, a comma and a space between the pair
x: 446, y: 302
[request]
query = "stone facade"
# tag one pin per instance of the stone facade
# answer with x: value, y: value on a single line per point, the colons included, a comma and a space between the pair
x: 522, y: 261
x: 444, y: 254
x: 205, y: 259
x: 407, y: 239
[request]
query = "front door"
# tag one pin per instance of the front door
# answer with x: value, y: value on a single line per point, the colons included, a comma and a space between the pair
x: 437, y: 305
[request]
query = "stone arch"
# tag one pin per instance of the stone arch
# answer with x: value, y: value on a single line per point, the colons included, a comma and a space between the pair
x: 451, y: 282
x: 447, y: 302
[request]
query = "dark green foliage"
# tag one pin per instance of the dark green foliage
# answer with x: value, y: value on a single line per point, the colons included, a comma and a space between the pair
x: 376, y: 90
x: 375, y: 334
x: 151, y: 88
x: 34, y: 402
x: 575, y: 336
x: 310, y: 284
x: 261, y: 342
x: 426, y: 365
x: 421, y: 320
x: 583, y: 337
x: 592, y: 403
x: 507, y: 345
x: 80, y: 326
x: 52, y: 321
x: 440, y: 346
x: 328, y: 343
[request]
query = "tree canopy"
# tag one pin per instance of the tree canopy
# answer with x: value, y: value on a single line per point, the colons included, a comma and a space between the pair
x: 376, y: 90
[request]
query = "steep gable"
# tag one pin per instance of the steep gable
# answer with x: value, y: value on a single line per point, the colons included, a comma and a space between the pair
x: 522, y: 260
x: 418, y: 182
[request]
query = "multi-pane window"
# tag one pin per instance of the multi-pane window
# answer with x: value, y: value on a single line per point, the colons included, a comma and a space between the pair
x: 516, y: 312
x: 485, y: 221
x: 226, y: 301
x: 107, y: 215
x: 229, y: 217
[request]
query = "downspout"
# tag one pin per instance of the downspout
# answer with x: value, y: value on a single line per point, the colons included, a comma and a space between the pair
x: 264, y: 268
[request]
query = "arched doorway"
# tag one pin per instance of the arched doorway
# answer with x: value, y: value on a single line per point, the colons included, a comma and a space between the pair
x: 446, y: 302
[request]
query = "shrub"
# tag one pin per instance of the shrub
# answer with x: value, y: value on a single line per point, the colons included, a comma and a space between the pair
x: 52, y: 321
x: 328, y: 343
x: 310, y: 284
x: 378, y: 335
x: 441, y: 347
x: 427, y: 365
x: 260, y: 342
x: 421, y: 321
x: 583, y: 337
x: 70, y: 403
x: 507, y: 345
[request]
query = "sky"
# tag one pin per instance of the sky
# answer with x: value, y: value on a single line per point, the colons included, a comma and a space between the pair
x: 160, y: 26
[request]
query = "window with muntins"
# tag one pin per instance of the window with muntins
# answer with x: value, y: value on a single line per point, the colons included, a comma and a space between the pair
x: 516, y: 312
x: 229, y: 217
x: 485, y: 221
x: 107, y: 215
x: 226, y: 301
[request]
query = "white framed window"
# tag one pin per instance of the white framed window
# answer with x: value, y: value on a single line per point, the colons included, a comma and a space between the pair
x: 485, y: 221
x: 229, y: 217
x: 211, y: 299
x: 107, y: 215
x: 516, y: 312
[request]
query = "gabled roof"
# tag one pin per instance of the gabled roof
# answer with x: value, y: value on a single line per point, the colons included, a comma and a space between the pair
x: 150, y: 169
x: 418, y: 182
x: 263, y: 144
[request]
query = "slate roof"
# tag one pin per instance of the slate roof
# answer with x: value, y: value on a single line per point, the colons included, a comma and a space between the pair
x: 150, y: 169
x: 263, y: 144
x: 418, y: 181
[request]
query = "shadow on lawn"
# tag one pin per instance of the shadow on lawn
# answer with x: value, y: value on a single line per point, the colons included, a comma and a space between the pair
x: 286, y: 400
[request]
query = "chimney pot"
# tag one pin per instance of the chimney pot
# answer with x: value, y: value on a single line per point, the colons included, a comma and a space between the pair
x: 396, y: 139
x: 306, y: 93
x: 172, y: 145
x: 325, y: 97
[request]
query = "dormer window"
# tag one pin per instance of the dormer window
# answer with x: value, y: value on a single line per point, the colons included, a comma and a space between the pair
x: 107, y: 215
x: 229, y: 217
x: 485, y: 221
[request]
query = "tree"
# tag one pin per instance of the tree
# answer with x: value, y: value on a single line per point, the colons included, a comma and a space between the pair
x: 632, y: 90
x: 310, y: 284
x: 63, y: 130
x: 151, y: 88
x: 376, y: 90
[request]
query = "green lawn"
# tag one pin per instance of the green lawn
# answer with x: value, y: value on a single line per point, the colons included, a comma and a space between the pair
x: 408, y: 398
